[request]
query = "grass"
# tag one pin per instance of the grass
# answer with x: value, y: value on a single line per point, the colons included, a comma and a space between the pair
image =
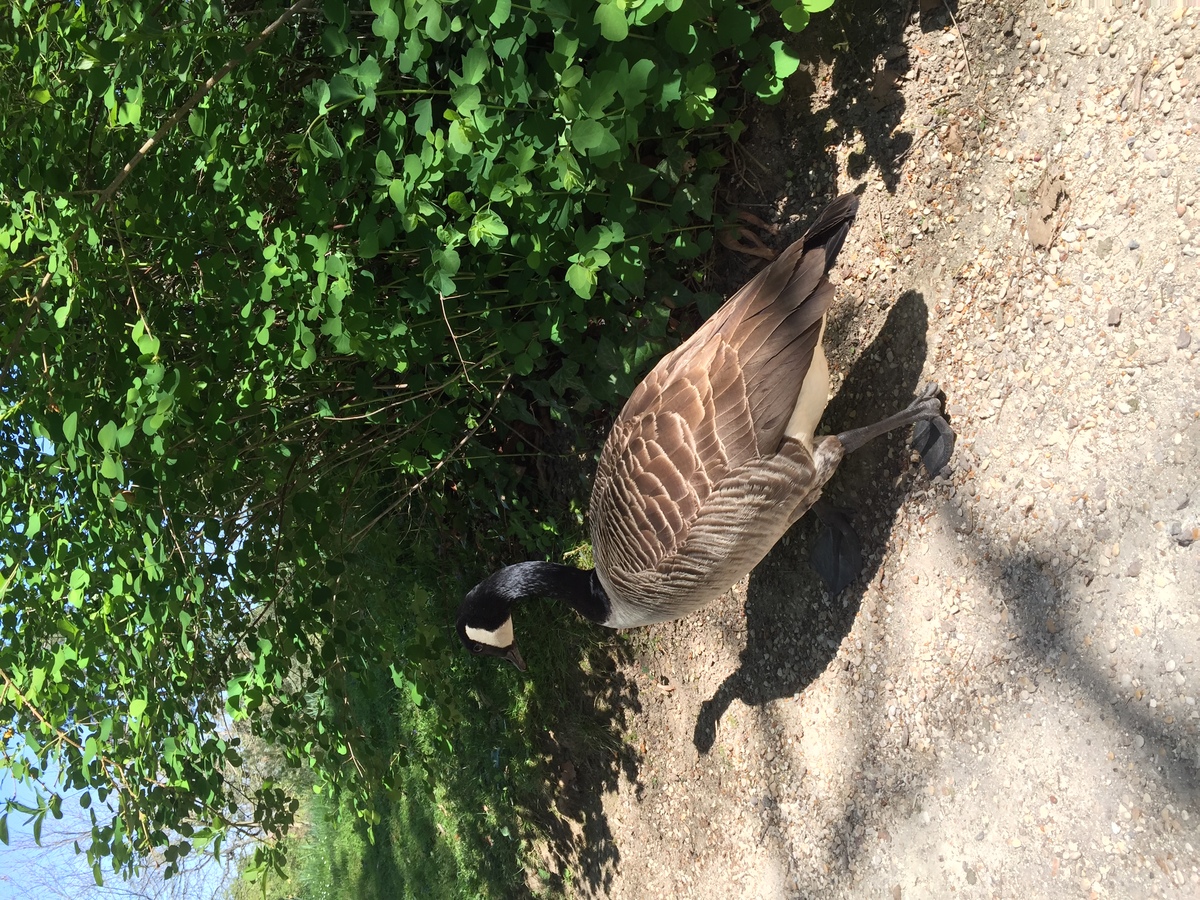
x: 460, y: 775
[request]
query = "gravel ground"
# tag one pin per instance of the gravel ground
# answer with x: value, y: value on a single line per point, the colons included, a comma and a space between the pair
x: 1005, y: 704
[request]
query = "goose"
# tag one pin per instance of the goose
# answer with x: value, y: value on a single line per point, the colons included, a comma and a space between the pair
x: 712, y: 459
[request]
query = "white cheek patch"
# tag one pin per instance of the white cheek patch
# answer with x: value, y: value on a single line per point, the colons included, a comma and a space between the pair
x: 502, y: 637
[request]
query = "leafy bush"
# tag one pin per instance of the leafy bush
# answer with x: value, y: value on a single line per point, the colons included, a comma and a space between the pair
x: 373, y: 237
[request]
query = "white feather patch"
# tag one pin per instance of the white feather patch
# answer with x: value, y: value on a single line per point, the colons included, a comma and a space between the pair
x: 814, y: 396
x: 502, y: 637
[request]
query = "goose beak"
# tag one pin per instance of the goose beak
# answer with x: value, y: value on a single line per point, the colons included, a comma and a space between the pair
x: 513, y: 655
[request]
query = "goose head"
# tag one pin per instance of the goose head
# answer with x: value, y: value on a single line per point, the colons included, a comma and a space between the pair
x: 485, y: 616
x: 485, y: 626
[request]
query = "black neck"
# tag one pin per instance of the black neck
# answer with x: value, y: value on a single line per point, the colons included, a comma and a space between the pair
x: 578, y: 588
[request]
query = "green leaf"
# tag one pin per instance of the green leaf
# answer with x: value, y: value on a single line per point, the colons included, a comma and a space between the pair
x: 736, y: 24
x: 487, y: 227
x: 466, y: 98
x: 458, y: 202
x: 4, y: 829
x: 459, y: 139
x: 152, y: 424
x: 112, y: 468
x: 817, y: 5
x: 795, y: 18
x: 611, y: 19
x: 582, y: 280
x: 500, y: 14
x: 571, y: 76
x: 383, y: 165
x: 786, y: 61
x: 475, y: 64
x: 148, y: 344
x: 387, y: 23
x: 587, y: 134
x: 70, y: 423
x: 108, y: 436
x: 397, y: 194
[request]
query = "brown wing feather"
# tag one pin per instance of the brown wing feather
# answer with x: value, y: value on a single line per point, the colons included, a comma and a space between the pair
x: 715, y: 404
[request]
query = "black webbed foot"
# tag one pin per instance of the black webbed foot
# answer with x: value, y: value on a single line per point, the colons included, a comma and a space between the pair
x: 934, y: 440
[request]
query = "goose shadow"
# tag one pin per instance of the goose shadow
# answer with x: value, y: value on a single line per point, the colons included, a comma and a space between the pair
x: 586, y: 708
x: 793, y: 626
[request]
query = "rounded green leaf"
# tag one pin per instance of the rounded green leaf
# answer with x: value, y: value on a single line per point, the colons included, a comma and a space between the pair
x: 387, y: 23
x: 613, y: 24
x: 586, y: 134
x: 108, y: 436
x: 795, y: 18
x: 786, y: 60
x: 383, y: 165
x: 112, y: 467
x: 582, y: 280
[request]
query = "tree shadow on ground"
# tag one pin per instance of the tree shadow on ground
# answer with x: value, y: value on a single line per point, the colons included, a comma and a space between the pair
x: 856, y: 48
x: 793, y: 626
x: 1042, y: 615
x: 1042, y: 612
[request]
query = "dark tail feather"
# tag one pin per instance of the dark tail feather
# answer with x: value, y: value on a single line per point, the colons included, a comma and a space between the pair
x: 831, y: 228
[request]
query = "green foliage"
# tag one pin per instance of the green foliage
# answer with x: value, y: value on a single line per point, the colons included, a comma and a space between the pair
x: 330, y: 293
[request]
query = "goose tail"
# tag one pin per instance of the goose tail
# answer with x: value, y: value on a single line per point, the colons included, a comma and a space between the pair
x: 831, y: 228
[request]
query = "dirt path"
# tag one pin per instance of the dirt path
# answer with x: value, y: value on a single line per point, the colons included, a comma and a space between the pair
x: 1004, y: 705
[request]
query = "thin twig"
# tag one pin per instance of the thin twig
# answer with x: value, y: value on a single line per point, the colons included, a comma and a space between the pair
x: 442, y: 462
x: 454, y: 337
x: 961, y: 39
x: 192, y: 101
x: 125, y: 262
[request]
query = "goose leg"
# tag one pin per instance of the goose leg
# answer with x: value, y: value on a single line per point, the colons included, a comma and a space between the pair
x: 837, y: 553
x: 925, y: 407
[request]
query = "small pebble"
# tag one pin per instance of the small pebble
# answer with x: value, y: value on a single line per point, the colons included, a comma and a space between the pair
x: 1114, y: 315
x: 1133, y: 244
x: 1184, y: 340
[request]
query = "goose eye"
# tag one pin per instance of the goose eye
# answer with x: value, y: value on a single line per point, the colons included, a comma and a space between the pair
x: 477, y: 647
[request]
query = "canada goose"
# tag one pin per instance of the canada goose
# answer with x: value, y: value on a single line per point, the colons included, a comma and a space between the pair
x: 710, y: 462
